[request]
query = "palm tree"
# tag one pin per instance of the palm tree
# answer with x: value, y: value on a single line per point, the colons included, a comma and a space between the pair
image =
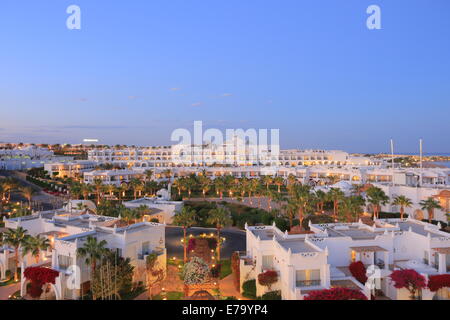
x: 28, y: 193
x: 15, y: 238
x: 129, y: 215
x: 219, y: 186
x: 278, y: 181
x: 267, y: 181
x: 291, y: 182
x: 34, y: 246
x: 148, y: 175
x: 186, y: 219
x: 75, y: 190
x: 134, y: 184
x: 351, y: 207
x: 122, y: 190
x: 430, y: 204
x: 301, y: 197
x: 289, y: 209
x: 403, y: 202
x: 335, y: 195
x: 177, y: 184
x: 376, y: 197
x: 111, y: 189
x: 93, y: 251
x: 220, y: 217
x: 86, y: 190
x: 9, y: 184
x: 205, y: 184
x: 321, y: 198
x: 332, y: 179
x: 98, y: 185
x: 189, y: 184
x: 252, y: 188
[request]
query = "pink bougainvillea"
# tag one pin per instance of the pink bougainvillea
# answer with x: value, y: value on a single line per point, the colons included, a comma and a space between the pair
x: 268, y: 278
x: 39, y: 276
x: 440, y: 281
x: 336, y: 294
x: 409, y: 279
x: 358, y: 270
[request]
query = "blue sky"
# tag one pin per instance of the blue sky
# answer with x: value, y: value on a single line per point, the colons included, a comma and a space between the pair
x: 138, y: 69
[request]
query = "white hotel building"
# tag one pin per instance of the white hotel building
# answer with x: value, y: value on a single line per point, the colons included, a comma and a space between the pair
x: 306, y: 262
x: 68, y: 231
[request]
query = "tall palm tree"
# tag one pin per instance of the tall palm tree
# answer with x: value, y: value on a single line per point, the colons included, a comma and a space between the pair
x: 34, y: 246
x: 301, y: 197
x: 252, y: 188
x: 189, y: 184
x: 321, y: 198
x: 219, y: 186
x: 267, y: 181
x: 134, y: 184
x: 291, y: 182
x: 220, y: 217
x: 122, y: 190
x: 377, y: 198
x: 148, y: 175
x: 9, y: 184
x: 185, y: 219
x: 205, y: 184
x: 351, y: 207
x: 28, y: 193
x: 15, y: 238
x: 177, y: 184
x: 403, y: 202
x: 335, y: 195
x: 129, y: 215
x: 86, y: 190
x: 75, y: 190
x: 278, y: 181
x: 289, y: 209
x: 98, y: 186
x: 430, y: 204
x: 93, y: 251
x: 110, y: 188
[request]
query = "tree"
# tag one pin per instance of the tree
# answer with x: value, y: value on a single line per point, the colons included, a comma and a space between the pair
x: 409, y: 279
x: 205, y: 184
x: 86, y: 190
x: 268, y: 278
x: 301, y: 197
x: 15, y: 238
x: 289, y: 209
x: 267, y: 181
x: 376, y: 197
x: 430, y: 204
x: 321, y: 198
x: 129, y: 215
x: 351, y: 207
x: 135, y: 185
x: 278, y: 181
x: 403, y: 202
x: 154, y: 274
x: 148, y: 175
x: 122, y: 190
x: 219, y: 186
x: 186, y: 219
x: 335, y: 195
x: 34, y: 246
x: 98, y: 185
x: 220, y: 217
x: 93, y: 251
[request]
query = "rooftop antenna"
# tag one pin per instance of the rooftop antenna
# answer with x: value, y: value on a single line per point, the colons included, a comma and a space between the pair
x: 421, y: 155
x: 392, y: 154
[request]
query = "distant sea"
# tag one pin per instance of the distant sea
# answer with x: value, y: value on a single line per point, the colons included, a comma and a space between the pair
x: 442, y: 163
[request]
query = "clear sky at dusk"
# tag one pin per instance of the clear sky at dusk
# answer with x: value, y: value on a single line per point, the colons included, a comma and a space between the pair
x: 139, y: 69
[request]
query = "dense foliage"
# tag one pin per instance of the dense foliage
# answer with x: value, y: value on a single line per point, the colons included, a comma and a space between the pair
x: 38, y: 277
x: 358, y: 270
x: 336, y: 294
x: 436, y: 282
x: 268, y: 278
x: 249, y: 289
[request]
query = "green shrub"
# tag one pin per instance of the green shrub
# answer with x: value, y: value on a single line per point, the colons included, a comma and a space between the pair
x: 249, y: 289
x: 272, y: 295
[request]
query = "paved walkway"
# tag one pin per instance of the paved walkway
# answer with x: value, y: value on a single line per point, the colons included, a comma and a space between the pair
x: 6, y: 291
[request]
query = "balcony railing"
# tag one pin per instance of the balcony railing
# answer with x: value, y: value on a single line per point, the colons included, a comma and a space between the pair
x: 307, y: 283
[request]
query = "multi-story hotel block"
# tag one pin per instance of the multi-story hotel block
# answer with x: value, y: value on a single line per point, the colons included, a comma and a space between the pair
x: 73, y: 169
x: 321, y: 260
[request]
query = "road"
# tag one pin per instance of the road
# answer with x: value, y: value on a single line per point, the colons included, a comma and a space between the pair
x: 44, y: 200
x: 234, y: 240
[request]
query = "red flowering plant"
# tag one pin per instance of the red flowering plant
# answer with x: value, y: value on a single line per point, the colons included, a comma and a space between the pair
x: 191, y: 244
x: 409, y: 279
x: 39, y: 276
x: 268, y: 278
x: 358, y: 270
x: 437, y: 282
x: 336, y: 294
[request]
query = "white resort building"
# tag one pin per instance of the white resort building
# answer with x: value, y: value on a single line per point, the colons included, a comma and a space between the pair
x: 114, y: 177
x: 320, y: 260
x: 72, y: 169
x: 68, y: 231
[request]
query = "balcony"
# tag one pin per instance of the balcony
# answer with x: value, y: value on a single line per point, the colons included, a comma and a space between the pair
x: 307, y: 283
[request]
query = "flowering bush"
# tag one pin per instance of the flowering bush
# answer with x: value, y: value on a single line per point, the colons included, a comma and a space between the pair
x: 38, y: 277
x: 195, y: 271
x: 191, y: 245
x: 336, y: 294
x: 268, y: 278
x: 358, y: 270
x: 408, y: 279
x: 437, y: 282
